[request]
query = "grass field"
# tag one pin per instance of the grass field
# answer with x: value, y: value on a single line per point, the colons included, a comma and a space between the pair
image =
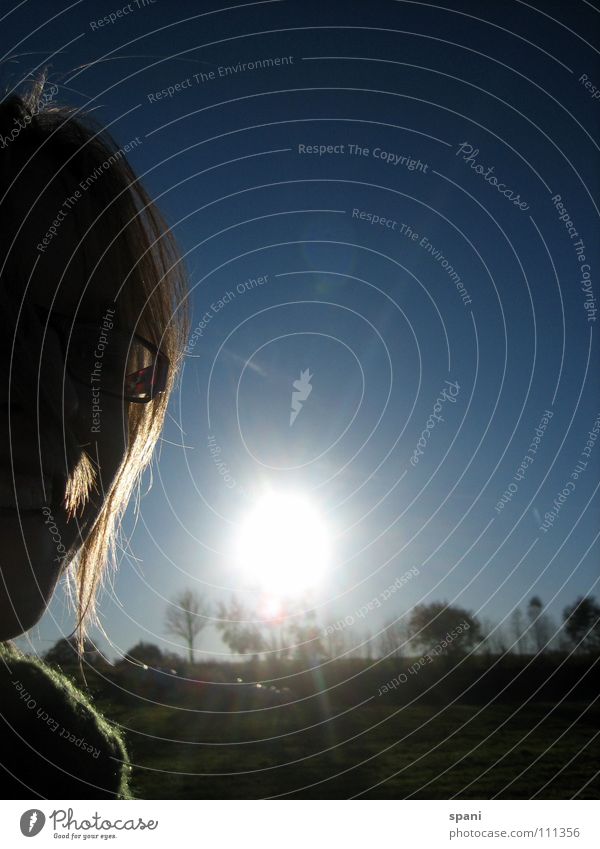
x: 377, y: 751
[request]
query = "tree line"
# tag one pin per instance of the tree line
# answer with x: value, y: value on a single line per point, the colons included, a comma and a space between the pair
x: 296, y: 634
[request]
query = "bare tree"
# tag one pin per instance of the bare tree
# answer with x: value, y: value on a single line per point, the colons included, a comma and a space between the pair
x: 240, y: 628
x: 307, y: 637
x: 336, y: 643
x: 541, y: 625
x: 517, y: 631
x: 494, y: 641
x: 393, y: 639
x: 186, y: 617
x: 368, y: 647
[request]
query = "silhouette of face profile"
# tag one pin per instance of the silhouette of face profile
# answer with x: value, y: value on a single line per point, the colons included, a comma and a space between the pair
x: 50, y: 424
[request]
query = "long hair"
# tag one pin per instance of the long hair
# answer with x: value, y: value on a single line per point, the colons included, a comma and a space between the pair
x: 117, y: 221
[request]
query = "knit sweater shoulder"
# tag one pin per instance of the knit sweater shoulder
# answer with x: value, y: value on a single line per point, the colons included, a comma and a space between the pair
x: 54, y: 744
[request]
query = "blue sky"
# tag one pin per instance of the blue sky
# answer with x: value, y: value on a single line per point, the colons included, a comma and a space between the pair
x: 373, y: 313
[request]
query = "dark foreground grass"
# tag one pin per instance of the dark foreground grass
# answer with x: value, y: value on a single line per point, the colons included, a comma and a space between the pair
x: 376, y: 751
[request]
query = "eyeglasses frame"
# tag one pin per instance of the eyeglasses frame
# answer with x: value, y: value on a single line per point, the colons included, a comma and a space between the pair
x: 63, y: 323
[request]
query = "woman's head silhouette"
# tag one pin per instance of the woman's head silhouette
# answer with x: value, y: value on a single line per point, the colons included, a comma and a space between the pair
x: 93, y: 320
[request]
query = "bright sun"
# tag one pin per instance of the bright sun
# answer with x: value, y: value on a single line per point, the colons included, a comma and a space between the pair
x: 283, y: 545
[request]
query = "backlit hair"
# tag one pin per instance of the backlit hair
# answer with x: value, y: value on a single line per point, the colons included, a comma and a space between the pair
x: 117, y: 214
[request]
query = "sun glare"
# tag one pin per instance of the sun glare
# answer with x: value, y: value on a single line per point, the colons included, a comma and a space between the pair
x: 283, y: 545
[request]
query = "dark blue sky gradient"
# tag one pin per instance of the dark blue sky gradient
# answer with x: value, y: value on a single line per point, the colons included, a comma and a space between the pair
x: 374, y: 316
